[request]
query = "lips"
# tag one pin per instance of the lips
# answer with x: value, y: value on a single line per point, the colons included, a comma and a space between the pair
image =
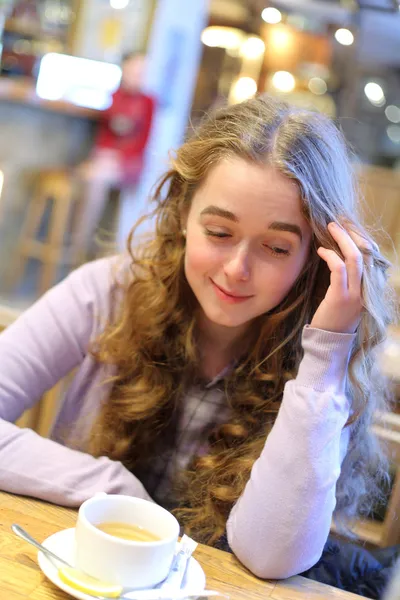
x: 230, y: 294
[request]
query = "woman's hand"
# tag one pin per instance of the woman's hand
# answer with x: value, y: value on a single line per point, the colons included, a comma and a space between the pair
x: 340, y: 311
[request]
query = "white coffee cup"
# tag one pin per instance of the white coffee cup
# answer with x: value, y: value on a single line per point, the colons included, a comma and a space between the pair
x: 129, y: 563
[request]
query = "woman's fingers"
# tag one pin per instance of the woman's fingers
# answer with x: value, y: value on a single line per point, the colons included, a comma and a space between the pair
x: 341, y: 309
x: 366, y: 248
x: 353, y: 258
x: 339, y: 280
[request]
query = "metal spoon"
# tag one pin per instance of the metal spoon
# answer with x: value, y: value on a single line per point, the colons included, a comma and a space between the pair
x: 28, y: 538
x: 139, y: 595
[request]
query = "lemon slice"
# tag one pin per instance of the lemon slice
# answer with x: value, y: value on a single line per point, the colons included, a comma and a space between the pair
x: 89, y: 585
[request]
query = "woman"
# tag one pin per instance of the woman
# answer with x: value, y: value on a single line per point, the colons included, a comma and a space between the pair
x: 225, y: 368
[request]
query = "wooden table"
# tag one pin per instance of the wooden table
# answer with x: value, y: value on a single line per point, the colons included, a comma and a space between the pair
x: 21, y: 578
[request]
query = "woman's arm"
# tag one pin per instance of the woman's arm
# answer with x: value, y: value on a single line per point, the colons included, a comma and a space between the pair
x: 280, y: 523
x: 34, y: 466
x: 38, y: 350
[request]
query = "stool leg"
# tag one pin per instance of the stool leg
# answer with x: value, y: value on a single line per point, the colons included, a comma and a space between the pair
x: 90, y: 209
x: 58, y: 225
x: 30, y: 228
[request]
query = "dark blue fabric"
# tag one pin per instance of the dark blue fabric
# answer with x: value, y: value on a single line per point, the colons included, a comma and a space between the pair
x: 354, y: 568
x: 349, y: 566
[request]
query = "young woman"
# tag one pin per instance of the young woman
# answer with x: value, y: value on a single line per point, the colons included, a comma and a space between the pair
x: 225, y: 367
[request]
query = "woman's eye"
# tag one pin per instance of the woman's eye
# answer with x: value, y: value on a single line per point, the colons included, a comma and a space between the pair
x: 218, y: 234
x: 276, y: 251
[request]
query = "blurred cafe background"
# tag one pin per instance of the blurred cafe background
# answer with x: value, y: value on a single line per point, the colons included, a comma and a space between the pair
x: 61, y: 61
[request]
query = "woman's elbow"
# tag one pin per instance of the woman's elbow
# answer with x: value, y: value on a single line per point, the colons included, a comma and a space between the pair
x: 267, y: 563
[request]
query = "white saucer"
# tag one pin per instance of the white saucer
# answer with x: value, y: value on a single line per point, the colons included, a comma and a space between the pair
x: 62, y: 544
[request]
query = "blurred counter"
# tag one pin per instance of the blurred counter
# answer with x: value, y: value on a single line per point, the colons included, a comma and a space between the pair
x: 34, y: 134
x: 23, y: 91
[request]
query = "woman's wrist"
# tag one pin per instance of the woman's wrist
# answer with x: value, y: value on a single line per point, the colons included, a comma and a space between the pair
x: 326, y: 358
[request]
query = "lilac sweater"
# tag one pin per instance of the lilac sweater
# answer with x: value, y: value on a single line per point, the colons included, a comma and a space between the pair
x: 280, y: 523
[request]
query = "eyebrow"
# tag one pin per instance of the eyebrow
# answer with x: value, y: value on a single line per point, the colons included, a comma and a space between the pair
x: 275, y: 226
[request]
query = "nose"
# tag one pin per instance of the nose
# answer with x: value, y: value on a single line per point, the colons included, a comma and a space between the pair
x: 237, y: 267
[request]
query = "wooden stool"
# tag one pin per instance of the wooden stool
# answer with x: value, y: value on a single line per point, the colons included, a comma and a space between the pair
x: 56, y: 186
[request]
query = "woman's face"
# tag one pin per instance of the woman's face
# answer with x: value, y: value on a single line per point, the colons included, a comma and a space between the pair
x: 247, y: 242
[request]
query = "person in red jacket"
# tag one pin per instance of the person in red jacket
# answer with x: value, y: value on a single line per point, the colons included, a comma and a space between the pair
x: 125, y: 125
x: 117, y: 158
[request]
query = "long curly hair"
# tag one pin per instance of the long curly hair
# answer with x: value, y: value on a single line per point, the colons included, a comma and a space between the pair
x: 152, y: 341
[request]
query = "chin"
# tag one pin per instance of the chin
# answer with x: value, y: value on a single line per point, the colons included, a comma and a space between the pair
x: 224, y: 320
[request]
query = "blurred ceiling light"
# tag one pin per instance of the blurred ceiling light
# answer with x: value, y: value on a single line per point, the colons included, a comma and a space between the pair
x: 279, y: 38
x: 283, y: 81
x: 317, y: 86
x: 344, y: 36
x: 393, y: 132
x: 374, y: 93
x: 118, y: 4
x: 222, y: 37
x: 83, y: 81
x: 244, y: 88
x: 271, y: 15
x: 253, y: 47
x: 393, y: 113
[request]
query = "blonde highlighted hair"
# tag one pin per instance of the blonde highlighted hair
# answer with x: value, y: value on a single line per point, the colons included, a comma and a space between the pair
x: 152, y: 343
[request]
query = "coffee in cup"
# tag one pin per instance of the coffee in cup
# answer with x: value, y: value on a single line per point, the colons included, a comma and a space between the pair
x: 125, y: 531
x: 132, y: 563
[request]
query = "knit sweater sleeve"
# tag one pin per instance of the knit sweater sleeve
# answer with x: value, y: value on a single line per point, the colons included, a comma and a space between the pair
x: 39, y: 349
x: 280, y: 523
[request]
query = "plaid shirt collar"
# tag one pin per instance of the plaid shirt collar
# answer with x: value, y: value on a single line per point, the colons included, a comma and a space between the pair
x: 222, y: 374
x: 204, y: 408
